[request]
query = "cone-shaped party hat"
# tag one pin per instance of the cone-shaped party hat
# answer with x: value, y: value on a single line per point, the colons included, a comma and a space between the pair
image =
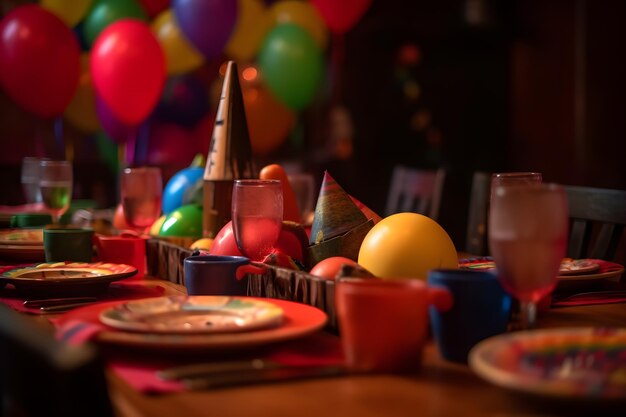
x: 230, y: 152
x: 230, y: 155
x: 335, y: 212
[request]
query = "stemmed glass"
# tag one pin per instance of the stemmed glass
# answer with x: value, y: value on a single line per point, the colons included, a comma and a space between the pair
x: 142, y: 191
x: 55, y: 183
x: 257, y: 214
x: 514, y: 178
x: 527, y: 237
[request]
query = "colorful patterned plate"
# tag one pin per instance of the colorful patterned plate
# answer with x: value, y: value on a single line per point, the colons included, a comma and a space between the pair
x: 193, y: 314
x: 22, y: 244
x: 66, y: 278
x: 581, y: 363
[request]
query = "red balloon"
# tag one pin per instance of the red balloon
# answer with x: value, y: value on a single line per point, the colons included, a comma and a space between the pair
x: 340, y: 16
x: 39, y: 60
x: 128, y: 69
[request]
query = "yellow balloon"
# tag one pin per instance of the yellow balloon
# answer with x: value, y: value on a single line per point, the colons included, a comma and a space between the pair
x: 155, y: 229
x: 70, y: 11
x: 81, y: 112
x: 303, y: 14
x: 407, y: 245
x: 250, y: 29
x: 180, y: 55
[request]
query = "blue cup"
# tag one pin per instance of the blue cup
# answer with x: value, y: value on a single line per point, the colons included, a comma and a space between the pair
x: 218, y: 275
x: 480, y: 309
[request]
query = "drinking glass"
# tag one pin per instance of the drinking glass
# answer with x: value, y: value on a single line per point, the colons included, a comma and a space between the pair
x: 527, y: 237
x: 30, y: 179
x: 257, y: 214
x: 55, y: 183
x: 142, y: 191
x: 513, y: 178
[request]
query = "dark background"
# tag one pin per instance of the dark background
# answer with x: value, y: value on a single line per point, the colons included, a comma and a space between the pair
x: 503, y: 86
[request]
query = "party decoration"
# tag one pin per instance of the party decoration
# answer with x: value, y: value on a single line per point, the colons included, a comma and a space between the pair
x: 341, y: 16
x: 105, y: 12
x: 339, y: 226
x: 39, y: 60
x: 230, y: 154
x: 207, y: 24
x: 291, y: 65
x: 70, y: 11
x: 177, y: 185
x: 128, y: 70
x: 291, y: 211
x: 407, y: 245
x: 250, y: 29
x: 107, y: 149
x: 303, y: 14
x: 154, y: 7
x: 184, y: 101
x: 269, y: 121
x: 185, y: 221
x: 180, y: 55
x: 81, y: 111
x: 118, y: 131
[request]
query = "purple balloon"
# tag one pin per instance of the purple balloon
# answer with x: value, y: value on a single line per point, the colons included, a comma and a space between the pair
x: 207, y: 24
x: 114, y: 128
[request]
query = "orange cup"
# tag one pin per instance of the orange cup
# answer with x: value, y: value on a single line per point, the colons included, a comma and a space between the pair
x: 123, y: 249
x: 384, y: 323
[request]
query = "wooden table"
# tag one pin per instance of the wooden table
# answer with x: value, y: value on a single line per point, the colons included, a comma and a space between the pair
x: 440, y: 389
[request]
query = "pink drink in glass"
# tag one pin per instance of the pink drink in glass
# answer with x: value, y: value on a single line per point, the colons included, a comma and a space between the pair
x: 142, y: 190
x: 257, y: 214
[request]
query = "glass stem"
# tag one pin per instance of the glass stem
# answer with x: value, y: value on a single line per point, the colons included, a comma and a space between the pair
x: 528, y: 310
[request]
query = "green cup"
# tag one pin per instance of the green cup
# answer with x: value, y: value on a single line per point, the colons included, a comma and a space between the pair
x: 27, y: 220
x: 62, y: 244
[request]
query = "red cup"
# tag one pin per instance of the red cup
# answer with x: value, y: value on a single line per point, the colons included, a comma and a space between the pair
x: 384, y: 323
x: 123, y: 249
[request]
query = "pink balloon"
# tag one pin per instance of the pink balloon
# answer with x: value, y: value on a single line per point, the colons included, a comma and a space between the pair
x: 39, y: 60
x: 128, y: 70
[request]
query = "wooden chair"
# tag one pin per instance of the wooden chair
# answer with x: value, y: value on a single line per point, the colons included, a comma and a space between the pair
x: 597, y: 218
x: 42, y: 377
x: 478, y: 213
x: 414, y: 190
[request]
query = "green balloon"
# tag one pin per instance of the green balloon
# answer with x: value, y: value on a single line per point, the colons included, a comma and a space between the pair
x: 105, y: 12
x: 185, y: 221
x: 291, y: 64
x: 107, y: 150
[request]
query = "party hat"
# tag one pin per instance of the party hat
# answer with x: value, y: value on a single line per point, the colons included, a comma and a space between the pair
x: 339, y: 226
x: 230, y: 152
x: 229, y: 157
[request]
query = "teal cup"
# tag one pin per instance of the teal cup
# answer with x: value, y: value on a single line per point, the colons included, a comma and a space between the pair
x: 63, y: 244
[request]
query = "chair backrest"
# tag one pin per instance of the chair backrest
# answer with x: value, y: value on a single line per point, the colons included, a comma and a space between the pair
x: 478, y: 212
x: 42, y: 377
x: 414, y: 190
x: 597, y: 218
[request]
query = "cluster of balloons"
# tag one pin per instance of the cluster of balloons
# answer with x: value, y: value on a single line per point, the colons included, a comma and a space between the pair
x: 113, y: 65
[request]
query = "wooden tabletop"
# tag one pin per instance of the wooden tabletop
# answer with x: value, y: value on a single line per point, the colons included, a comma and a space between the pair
x: 441, y: 388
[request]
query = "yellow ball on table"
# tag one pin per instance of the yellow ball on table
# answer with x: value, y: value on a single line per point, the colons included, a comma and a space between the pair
x: 407, y: 245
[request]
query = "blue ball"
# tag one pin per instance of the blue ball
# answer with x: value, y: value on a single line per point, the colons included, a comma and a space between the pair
x: 177, y: 185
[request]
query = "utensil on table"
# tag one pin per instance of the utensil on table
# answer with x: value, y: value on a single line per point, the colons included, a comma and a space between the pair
x: 57, y: 305
x: 246, y: 372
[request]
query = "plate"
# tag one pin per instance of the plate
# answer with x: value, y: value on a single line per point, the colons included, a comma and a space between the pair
x: 298, y: 320
x: 577, y: 266
x: 66, y: 278
x: 193, y: 314
x: 22, y: 245
x: 572, y: 363
x: 14, y: 237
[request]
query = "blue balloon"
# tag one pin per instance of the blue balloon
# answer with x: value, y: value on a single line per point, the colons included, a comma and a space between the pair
x: 174, y: 191
x: 207, y: 24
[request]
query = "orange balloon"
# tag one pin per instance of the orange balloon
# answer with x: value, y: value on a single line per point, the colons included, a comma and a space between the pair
x: 269, y: 121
